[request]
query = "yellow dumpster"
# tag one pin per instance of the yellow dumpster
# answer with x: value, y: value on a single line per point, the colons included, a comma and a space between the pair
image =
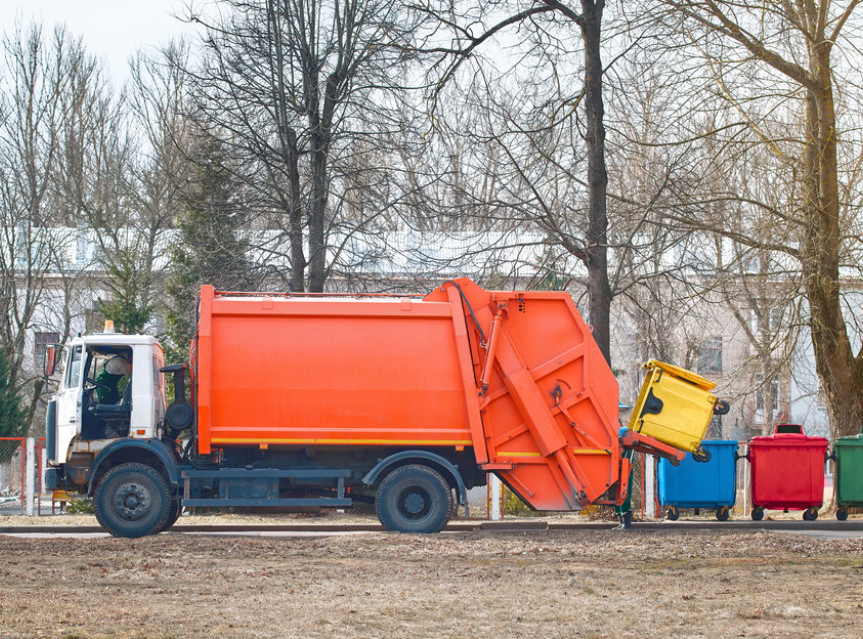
x: 675, y: 407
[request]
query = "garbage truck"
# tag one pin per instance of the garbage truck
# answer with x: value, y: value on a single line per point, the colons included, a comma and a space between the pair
x: 319, y: 400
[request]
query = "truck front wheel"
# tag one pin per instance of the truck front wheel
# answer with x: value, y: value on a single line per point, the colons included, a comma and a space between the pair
x: 132, y: 500
x: 173, y: 515
x: 414, y: 499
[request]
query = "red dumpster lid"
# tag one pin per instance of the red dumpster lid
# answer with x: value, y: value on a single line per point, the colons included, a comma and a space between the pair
x: 788, y: 440
x: 788, y: 429
x: 789, y: 434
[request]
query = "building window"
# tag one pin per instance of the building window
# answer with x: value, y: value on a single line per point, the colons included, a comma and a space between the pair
x: 41, y: 341
x: 761, y: 394
x: 710, y: 357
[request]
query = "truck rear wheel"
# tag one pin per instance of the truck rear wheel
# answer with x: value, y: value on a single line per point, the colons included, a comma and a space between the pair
x: 414, y: 499
x: 132, y: 500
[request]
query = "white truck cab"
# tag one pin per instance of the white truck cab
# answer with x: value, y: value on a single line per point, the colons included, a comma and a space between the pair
x: 93, y: 408
x: 106, y: 435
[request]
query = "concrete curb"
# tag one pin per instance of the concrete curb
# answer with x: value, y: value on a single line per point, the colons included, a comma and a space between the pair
x: 487, y: 526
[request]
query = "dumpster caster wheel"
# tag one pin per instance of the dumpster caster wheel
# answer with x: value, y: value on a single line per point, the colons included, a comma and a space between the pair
x: 701, y: 456
x: 810, y: 514
x: 721, y: 407
x: 758, y: 513
x: 842, y: 513
x: 673, y: 514
x: 723, y: 513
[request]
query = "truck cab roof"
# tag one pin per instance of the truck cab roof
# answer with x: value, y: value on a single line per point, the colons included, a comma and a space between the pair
x: 110, y: 339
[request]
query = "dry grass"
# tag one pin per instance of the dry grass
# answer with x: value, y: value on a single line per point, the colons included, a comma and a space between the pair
x: 564, y: 584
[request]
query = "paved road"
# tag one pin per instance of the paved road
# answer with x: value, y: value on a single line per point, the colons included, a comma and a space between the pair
x: 827, y: 529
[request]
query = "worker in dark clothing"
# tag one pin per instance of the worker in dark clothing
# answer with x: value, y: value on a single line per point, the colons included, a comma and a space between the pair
x: 624, y: 511
x: 115, y: 369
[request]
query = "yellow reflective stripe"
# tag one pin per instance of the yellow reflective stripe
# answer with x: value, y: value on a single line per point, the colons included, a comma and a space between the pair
x: 590, y: 451
x: 385, y: 442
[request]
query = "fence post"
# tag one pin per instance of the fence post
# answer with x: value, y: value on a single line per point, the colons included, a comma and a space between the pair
x: 649, y: 487
x: 495, y: 496
x: 30, y: 478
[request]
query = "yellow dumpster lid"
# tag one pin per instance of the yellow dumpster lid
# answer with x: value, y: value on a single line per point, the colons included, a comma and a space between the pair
x: 682, y: 373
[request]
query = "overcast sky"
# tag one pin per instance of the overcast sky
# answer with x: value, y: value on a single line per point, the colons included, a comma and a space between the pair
x: 112, y: 29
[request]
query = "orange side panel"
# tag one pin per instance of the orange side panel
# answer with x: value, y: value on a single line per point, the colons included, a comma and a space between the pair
x: 372, y: 370
x: 284, y: 370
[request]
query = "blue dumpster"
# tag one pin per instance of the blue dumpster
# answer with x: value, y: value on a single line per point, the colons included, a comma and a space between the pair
x: 711, y: 484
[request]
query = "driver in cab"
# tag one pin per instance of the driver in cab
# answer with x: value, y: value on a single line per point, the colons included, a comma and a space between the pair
x: 108, y: 379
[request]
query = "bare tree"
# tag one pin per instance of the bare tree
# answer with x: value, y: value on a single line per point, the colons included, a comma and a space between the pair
x: 33, y: 80
x: 782, y: 53
x: 94, y: 182
x: 580, y: 109
x: 159, y: 105
x: 290, y: 81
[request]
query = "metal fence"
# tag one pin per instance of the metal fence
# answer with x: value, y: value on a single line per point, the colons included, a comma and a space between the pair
x: 12, y: 475
x: 14, y: 470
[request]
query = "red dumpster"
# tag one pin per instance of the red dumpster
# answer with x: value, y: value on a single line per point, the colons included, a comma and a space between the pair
x: 787, y: 471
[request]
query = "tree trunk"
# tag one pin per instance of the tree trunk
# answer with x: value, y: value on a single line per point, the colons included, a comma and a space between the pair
x: 599, y: 290
x: 295, y: 233
x: 317, y: 214
x: 841, y: 373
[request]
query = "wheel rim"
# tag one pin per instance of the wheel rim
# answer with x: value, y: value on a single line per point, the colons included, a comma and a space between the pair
x: 132, y: 501
x: 414, y: 503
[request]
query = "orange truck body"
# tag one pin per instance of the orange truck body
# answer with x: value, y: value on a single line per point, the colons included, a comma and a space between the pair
x: 513, y: 377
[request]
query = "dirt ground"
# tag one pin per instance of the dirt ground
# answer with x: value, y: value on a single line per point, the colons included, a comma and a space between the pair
x: 550, y: 584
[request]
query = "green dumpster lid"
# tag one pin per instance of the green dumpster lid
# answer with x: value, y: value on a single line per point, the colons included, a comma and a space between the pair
x: 848, y: 439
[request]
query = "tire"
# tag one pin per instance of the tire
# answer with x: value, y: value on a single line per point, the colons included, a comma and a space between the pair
x: 701, y: 456
x: 414, y: 499
x: 842, y: 513
x: 673, y: 514
x: 723, y: 513
x: 133, y: 500
x: 173, y: 515
x: 757, y: 513
x: 810, y: 514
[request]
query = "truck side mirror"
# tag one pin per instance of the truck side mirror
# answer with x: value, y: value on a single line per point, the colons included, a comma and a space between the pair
x: 50, y: 361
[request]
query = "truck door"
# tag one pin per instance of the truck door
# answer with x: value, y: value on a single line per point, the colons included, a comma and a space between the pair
x: 69, y: 403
